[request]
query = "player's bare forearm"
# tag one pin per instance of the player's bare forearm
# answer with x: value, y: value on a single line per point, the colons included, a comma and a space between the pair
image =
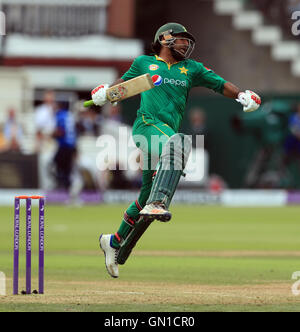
x: 120, y: 80
x: 231, y: 91
x: 249, y: 99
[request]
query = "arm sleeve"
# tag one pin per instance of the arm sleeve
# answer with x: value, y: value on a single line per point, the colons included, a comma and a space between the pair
x: 208, y: 78
x: 133, y: 71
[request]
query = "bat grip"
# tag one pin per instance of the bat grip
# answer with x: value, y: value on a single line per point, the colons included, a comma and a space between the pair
x: 88, y: 103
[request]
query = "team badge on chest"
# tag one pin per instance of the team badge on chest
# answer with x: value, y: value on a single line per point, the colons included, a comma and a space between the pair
x: 153, y: 67
x: 183, y: 70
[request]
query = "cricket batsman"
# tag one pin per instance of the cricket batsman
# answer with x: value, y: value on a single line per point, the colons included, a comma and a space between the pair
x: 160, y: 114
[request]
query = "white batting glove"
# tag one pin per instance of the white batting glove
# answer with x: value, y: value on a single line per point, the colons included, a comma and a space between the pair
x: 250, y: 100
x: 99, y: 95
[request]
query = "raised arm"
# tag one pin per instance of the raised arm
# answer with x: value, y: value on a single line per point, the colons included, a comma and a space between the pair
x: 99, y: 93
x: 208, y: 78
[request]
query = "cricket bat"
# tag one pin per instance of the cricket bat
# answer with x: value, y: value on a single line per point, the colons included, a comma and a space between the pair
x: 127, y: 89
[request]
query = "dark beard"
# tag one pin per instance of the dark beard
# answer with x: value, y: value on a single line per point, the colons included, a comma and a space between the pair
x: 177, y: 56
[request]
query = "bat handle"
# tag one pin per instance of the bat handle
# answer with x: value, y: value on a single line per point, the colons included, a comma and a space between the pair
x: 88, y: 103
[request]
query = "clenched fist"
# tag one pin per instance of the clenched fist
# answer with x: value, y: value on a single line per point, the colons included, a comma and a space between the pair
x: 250, y: 100
x: 99, y: 95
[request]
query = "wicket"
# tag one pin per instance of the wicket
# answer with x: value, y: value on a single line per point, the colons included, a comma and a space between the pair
x: 28, y: 243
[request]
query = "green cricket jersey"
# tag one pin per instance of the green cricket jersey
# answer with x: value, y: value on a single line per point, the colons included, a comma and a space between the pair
x: 167, y: 101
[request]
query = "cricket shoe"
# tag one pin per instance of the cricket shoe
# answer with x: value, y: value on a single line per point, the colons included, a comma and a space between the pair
x: 110, y: 254
x: 156, y: 211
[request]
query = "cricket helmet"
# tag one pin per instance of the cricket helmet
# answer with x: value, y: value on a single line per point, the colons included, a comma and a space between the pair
x: 173, y: 29
x: 166, y: 36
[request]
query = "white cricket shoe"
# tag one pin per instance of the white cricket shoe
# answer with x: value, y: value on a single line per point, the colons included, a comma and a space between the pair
x: 156, y: 211
x: 110, y: 254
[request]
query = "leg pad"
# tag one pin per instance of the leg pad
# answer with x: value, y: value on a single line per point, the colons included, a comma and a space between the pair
x: 172, y: 163
x: 132, y: 238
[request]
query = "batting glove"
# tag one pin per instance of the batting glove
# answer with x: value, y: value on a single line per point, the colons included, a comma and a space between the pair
x: 250, y: 100
x: 99, y: 95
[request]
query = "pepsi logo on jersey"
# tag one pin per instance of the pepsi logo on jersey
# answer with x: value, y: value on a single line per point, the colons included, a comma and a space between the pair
x: 157, y: 80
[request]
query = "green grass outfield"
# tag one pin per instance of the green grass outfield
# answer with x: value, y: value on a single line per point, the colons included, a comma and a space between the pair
x: 205, y: 259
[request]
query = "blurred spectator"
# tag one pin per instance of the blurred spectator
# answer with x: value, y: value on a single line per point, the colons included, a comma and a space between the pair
x: 198, y: 126
x: 111, y: 124
x: 2, y: 141
x: 13, y: 132
x: 113, y: 113
x: 292, y: 143
x: 88, y: 123
x: 65, y: 135
x: 268, y: 127
x: 294, y: 123
x: 294, y: 126
x: 45, y: 118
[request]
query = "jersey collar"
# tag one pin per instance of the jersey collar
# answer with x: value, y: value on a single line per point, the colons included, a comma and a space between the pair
x: 158, y: 58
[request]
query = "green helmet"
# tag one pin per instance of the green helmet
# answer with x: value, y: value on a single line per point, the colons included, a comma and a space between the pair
x: 169, y: 31
x: 172, y: 29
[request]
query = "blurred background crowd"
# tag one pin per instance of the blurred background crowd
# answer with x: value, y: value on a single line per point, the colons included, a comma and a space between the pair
x: 54, y: 54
